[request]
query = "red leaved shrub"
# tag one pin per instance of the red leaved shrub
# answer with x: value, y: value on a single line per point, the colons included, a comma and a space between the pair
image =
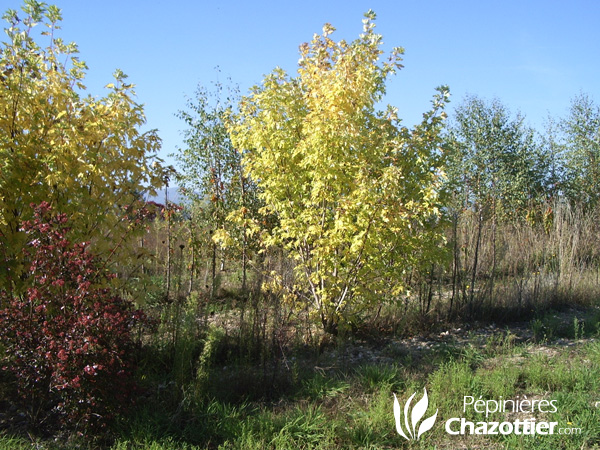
x: 68, y: 339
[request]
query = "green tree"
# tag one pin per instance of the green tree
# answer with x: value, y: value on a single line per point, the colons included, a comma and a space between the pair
x: 496, y: 165
x: 554, y: 150
x: 356, y: 195
x: 83, y: 155
x: 497, y: 171
x: 581, y: 133
x: 211, y: 177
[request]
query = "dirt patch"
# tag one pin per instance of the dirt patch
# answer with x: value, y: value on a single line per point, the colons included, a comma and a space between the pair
x: 483, y: 338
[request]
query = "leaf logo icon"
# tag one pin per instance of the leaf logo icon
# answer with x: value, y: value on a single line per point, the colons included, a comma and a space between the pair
x: 416, y: 415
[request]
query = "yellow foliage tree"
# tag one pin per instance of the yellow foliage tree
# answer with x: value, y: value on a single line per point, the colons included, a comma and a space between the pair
x: 357, y: 195
x: 83, y: 155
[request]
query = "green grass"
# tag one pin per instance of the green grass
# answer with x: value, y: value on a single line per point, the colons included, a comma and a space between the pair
x: 353, y: 408
x: 11, y: 443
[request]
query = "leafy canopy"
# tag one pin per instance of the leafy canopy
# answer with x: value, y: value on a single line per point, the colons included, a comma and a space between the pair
x: 496, y: 162
x: 357, y: 195
x: 83, y: 155
x: 581, y: 136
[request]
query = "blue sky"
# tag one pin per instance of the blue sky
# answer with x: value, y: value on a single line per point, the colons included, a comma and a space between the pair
x: 535, y: 56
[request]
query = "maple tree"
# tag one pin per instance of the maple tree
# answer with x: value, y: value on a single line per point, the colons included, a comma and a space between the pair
x: 357, y: 195
x: 82, y: 154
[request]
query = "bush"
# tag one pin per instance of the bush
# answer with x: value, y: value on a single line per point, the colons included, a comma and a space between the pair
x: 68, y: 339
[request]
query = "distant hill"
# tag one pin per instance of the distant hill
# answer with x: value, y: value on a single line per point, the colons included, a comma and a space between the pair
x: 173, y: 193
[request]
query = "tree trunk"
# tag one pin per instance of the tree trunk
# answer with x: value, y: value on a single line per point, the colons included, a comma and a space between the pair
x: 168, y: 213
x: 213, y: 286
x: 455, y: 263
x: 192, y: 260
x: 475, y: 259
x: 244, y: 235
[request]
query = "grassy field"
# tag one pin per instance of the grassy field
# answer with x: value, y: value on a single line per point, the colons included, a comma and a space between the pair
x: 343, y: 397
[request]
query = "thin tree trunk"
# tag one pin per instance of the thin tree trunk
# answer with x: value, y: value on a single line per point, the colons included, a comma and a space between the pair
x: 144, y: 258
x: 455, y: 262
x: 168, y: 213
x: 475, y: 259
x: 244, y: 236
x: 493, y: 274
x: 213, y: 286
x: 192, y: 260
x: 430, y: 291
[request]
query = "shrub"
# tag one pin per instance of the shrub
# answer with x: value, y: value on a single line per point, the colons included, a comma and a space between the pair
x: 68, y: 339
